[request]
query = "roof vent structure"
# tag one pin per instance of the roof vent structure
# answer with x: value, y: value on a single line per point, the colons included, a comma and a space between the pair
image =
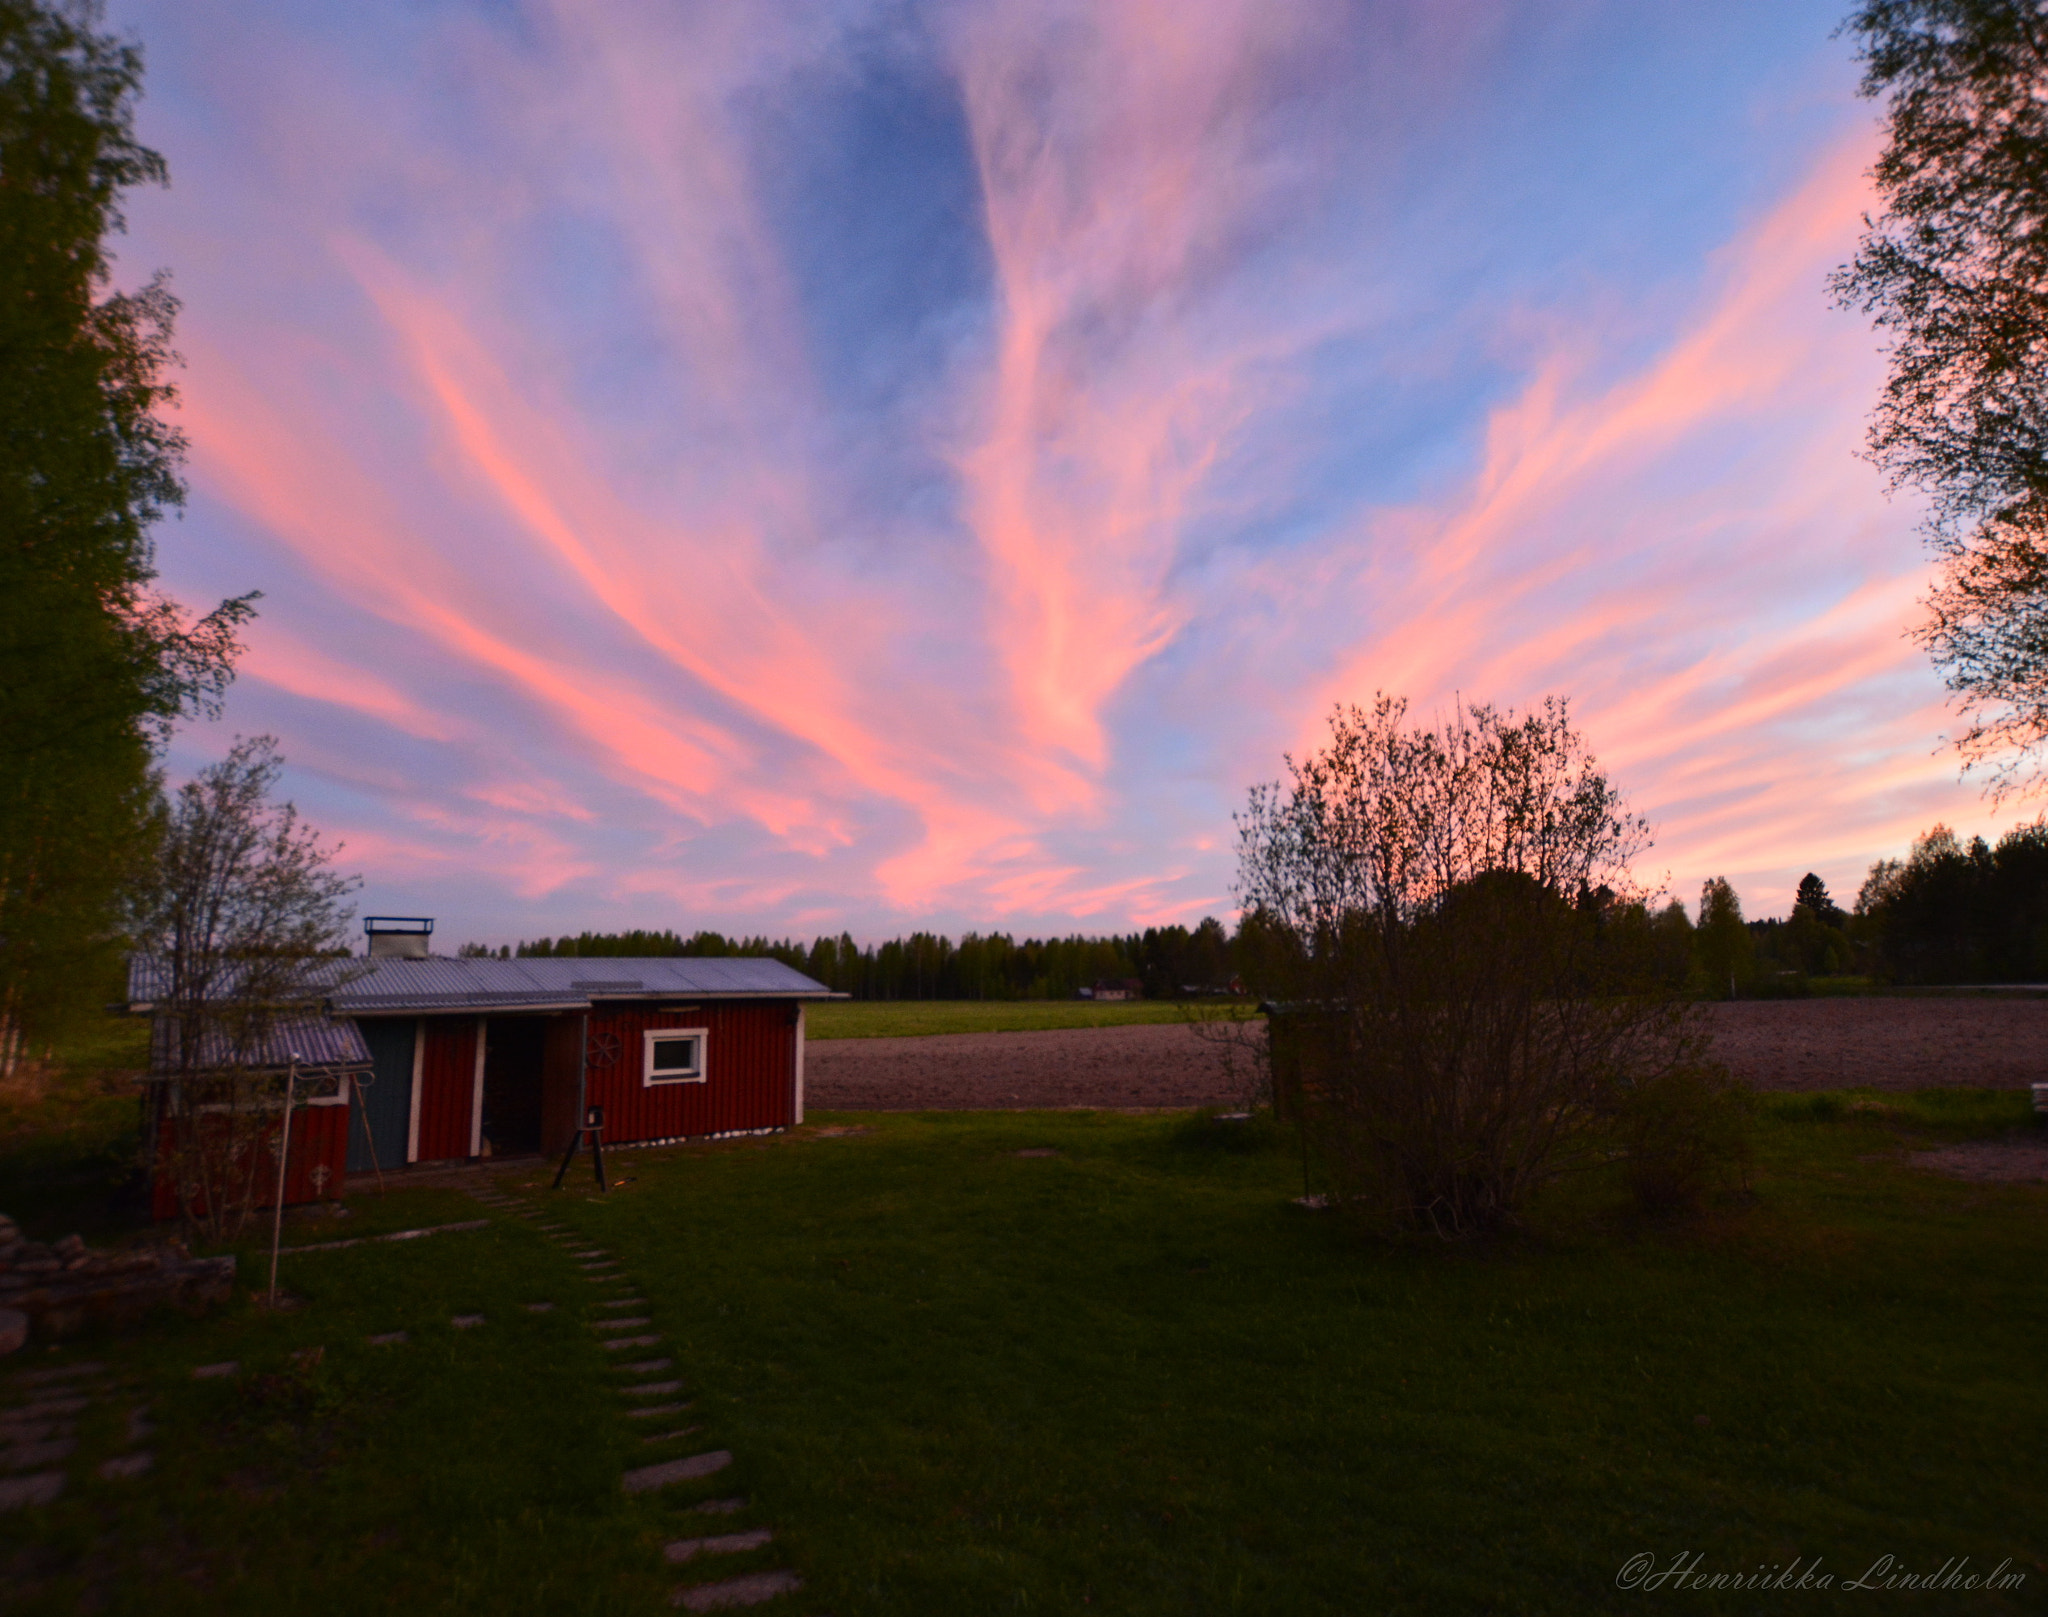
x: 398, y: 937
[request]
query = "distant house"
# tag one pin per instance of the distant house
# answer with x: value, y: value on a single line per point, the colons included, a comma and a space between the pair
x: 473, y: 1058
x: 1120, y: 988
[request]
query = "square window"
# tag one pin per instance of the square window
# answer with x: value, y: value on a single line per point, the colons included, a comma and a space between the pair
x: 675, y: 1055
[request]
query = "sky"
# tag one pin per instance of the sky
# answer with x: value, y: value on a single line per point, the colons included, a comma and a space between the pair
x: 852, y: 465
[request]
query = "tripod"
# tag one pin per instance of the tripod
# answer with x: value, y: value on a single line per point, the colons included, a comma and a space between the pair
x: 593, y: 1125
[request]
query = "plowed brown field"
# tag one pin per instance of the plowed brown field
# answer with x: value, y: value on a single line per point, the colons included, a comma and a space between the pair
x: 1781, y: 1044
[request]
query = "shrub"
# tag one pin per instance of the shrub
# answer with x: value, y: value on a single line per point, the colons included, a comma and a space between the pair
x: 1467, y: 986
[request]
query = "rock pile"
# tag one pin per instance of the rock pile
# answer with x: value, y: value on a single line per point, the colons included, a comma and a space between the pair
x: 55, y: 1290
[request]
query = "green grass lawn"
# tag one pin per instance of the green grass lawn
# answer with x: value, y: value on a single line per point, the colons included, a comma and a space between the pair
x: 910, y: 1018
x: 1129, y: 1377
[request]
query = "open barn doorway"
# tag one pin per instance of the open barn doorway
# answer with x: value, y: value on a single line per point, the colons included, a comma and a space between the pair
x: 515, y: 1050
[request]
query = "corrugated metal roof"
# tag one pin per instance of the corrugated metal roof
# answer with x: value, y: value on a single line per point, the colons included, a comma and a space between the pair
x: 310, y: 1040
x: 391, y: 986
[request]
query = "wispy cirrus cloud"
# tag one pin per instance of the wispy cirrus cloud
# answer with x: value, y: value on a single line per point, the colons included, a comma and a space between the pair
x: 859, y: 464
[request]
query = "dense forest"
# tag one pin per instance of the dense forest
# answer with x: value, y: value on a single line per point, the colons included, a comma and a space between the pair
x: 1161, y: 962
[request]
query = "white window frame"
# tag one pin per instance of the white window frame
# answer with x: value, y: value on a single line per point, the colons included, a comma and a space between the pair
x: 648, y: 1079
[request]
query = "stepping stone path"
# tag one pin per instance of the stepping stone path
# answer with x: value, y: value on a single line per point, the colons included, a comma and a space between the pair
x: 39, y: 1433
x: 646, y: 1478
x: 688, y: 1549
x: 746, y: 1589
x: 752, y: 1589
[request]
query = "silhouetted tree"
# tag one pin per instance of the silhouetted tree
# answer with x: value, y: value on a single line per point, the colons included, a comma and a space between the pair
x: 1721, y: 942
x: 240, y: 921
x: 1466, y: 1001
x: 94, y: 662
x: 1955, y: 271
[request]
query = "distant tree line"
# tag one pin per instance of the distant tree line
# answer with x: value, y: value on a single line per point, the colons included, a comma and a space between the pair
x: 1160, y: 962
x: 1949, y: 912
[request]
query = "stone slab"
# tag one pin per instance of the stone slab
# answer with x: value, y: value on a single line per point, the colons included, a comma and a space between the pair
x: 670, y: 1437
x: 646, y: 1478
x: 688, y: 1549
x: 213, y: 1372
x: 623, y: 1302
x: 653, y: 1410
x: 18, y: 1492
x: 30, y: 1456
x: 620, y: 1324
x: 754, y: 1589
x: 123, y: 1466
x: 387, y: 1339
x: 651, y: 1389
x: 721, y: 1507
x: 50, y: 1404
x: 628, y: 1341
x: 540, y: 1308
x: 646, y: 1367
x: 62, y: 1372
x: 467, y: 1322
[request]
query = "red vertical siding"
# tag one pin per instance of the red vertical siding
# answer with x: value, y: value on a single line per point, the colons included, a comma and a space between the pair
x: 749, y: 1069
x: 447, y: 1087
x: 319, y: 1140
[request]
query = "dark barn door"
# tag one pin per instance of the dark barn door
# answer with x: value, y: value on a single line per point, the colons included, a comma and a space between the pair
x: 515, y: 1055
x: 384, y: 1105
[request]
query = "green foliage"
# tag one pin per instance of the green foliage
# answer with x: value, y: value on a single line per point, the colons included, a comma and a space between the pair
x: 1685, y: 1136
x: 1955, y: 272
x: 94, y: 663
x: 1955, y: 913
x: 1721, y: 943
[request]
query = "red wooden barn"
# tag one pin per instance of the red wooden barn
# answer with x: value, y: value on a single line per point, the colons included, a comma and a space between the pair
x: 470, y: 1058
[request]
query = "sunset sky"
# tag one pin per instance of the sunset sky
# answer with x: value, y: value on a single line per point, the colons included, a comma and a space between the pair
x: 802, y: 466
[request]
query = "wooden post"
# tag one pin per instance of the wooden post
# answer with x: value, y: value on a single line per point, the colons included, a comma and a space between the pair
x: 284, y: 1156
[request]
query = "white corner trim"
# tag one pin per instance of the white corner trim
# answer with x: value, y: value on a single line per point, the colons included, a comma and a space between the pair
x: 476, y: 1094
x: 419, y: 1067
x: 799, y: 1064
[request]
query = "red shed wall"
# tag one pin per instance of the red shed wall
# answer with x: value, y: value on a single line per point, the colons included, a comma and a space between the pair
x: 447, y: 1088
x: 319, y: 1139
x: 749, y: 1071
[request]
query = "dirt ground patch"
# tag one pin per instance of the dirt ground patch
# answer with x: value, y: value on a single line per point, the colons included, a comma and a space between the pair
x: 1899, y: 1044
x: 1920, y: 1043
x: 1989, y: 1161
x: 1166, y: 1064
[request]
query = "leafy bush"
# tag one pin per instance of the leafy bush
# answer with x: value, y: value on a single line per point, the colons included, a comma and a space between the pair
x: 1468, y: 990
